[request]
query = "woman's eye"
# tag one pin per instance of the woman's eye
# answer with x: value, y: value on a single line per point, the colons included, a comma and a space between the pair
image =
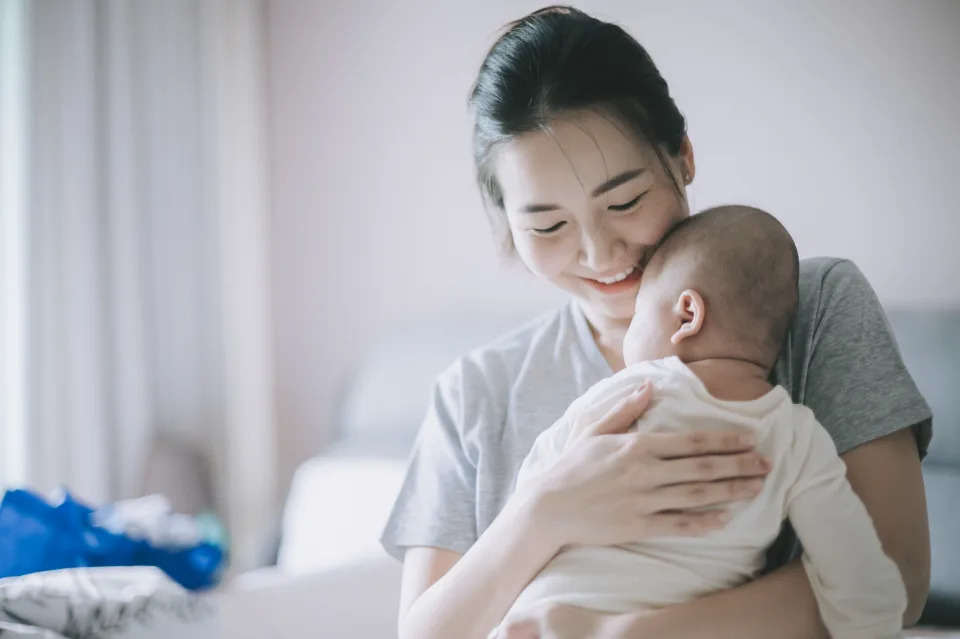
x: 550, y: 229
x: 626, y: 206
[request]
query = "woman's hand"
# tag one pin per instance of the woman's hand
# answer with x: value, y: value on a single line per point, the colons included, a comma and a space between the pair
x: 616, y: 487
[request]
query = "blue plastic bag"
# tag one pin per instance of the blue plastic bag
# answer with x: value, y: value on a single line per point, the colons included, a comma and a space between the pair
x: 37, y: 536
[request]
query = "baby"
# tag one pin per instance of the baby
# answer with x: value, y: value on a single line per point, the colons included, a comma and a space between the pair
x: 715, y: 306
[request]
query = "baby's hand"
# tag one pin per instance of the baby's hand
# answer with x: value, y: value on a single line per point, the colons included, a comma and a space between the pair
x: 553, y: 622
x: 526, y: 629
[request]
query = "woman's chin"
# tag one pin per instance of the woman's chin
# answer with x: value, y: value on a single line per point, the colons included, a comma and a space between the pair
x: 608, y: 306
x: 609, y: 310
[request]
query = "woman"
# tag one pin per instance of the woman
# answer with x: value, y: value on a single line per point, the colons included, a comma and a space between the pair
x: 583, y: 159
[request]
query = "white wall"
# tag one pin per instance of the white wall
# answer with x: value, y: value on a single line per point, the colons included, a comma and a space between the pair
x: 837, y: 117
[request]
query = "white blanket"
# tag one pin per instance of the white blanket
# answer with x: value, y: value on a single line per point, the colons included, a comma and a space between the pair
x: 103, y: 603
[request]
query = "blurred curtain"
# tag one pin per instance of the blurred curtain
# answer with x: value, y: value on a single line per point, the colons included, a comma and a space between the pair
x: 146, y: 239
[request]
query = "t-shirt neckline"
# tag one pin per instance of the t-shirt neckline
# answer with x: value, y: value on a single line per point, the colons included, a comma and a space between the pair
x: 589, y: 346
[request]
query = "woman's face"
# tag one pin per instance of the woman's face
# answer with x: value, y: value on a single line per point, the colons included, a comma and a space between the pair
x: 587, y: 204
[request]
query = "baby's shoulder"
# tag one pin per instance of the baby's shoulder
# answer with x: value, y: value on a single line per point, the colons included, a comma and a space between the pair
x: 799, y: 431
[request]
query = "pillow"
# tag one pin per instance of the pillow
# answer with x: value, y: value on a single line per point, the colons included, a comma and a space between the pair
x: 337, y: 506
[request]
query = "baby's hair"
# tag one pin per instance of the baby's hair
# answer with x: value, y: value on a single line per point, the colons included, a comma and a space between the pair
x: 744, y: 264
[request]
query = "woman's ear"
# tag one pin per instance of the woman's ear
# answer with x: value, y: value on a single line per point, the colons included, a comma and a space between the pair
x: 688, y: 168
x: 690, y: 312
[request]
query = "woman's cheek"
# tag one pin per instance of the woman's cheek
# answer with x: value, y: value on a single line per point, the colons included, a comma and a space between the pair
x: 544, y: 256
x: 659, y: 213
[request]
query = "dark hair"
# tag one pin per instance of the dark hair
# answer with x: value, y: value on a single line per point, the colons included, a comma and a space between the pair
x: 557, y: 60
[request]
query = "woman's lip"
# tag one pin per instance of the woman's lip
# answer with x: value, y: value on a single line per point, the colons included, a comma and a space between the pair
x: 627, y: 283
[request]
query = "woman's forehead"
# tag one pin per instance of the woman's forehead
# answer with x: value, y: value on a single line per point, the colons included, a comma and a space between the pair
x: 575, y: 155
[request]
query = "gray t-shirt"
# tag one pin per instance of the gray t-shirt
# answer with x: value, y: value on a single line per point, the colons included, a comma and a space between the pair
x: 488, y: 408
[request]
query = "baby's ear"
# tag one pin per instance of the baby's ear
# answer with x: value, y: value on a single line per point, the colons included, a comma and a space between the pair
x: 689, y: 312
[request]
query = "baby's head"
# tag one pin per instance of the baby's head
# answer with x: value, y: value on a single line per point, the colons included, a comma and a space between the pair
x: 722, y: 284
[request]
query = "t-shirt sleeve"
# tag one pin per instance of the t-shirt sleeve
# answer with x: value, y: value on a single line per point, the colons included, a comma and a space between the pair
x: 436, y: 505
x: 856, y: 382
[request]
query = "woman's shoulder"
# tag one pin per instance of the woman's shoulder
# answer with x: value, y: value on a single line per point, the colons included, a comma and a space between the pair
x: 816, y: 272
x: 842, y: 360
x: 835, y: 300
x: 828, y: 282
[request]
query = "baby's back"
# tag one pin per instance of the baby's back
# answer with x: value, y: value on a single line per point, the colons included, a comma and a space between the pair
x: 667, y: 571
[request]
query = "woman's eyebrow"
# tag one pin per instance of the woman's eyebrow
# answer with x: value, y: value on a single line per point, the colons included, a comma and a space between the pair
x: 538, y: 208
x: 609, y: 185
x: 616, y: 181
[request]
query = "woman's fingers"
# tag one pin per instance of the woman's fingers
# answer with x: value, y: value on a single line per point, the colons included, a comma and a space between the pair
x: 700, y: 494
x: 624, y: 413
x: 698, y: 442
x: 709, y: 468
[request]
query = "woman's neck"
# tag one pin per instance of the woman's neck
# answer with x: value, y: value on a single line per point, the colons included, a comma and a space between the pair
x: 608, y: 333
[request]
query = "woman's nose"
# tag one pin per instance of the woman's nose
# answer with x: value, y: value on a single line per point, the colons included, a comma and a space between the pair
x: 601, y: 251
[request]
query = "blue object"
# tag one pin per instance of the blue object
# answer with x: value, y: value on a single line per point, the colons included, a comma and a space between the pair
x: 36, y: 536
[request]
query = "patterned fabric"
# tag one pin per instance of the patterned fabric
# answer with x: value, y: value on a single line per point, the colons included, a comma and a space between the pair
x: 103, y: 603
x: 19, y: 631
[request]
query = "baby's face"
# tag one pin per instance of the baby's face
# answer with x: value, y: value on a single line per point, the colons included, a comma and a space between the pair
x: 648, y: 336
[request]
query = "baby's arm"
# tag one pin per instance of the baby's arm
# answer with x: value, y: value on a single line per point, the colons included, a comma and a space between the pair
x: 859, y: 590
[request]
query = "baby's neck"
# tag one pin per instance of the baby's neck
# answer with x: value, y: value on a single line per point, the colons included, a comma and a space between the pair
x: 733, y: 380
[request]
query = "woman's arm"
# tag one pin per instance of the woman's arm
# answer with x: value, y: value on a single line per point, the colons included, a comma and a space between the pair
x: 611, y: 488
x: 885, y: 474
x: 450, y: 595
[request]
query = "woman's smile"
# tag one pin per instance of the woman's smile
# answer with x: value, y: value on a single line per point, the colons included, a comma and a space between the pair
x: 626, y: 280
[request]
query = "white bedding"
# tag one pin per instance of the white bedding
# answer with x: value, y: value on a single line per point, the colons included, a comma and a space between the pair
x: 335, y: 511
x: 352, y: 601
x: 103, y: 603
x: 333, y: 579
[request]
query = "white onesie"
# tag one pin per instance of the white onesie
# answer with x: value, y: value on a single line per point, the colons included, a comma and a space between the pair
x: 858, y: 588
